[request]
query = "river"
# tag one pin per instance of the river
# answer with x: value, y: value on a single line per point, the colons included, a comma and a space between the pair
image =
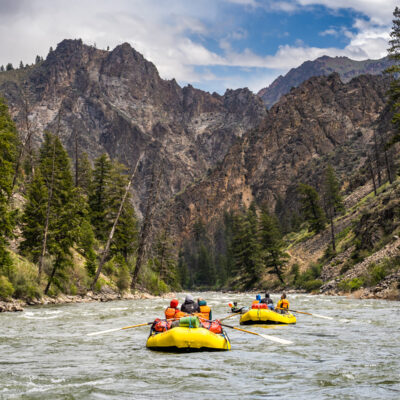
x: 46, y: 354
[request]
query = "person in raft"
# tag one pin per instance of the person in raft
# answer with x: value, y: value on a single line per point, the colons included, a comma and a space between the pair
x: 257, y: 300
x: 283, y: 304
x: 172, y: 311
x: 189, y: 306
x: 267, y: 300
x: 205, y: 310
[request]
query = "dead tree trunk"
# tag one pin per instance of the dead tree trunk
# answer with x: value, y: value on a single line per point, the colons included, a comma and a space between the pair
x: 26, y: 143
x: 371, y: 170
x: 332, y: 231
x: 110, y: 236
x: 46, y: 223
x: 76, y: 160
x: 378, y: 162
x: 53, y: 272
x: 150, y: 207
x: 48, y: 207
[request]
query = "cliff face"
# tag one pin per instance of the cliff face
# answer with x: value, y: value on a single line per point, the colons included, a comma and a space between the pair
x: 115, y: 102
x: 322, y: 66
x: 322, y: 120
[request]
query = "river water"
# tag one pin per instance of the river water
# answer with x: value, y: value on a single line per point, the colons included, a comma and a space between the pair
x: 46, y: 354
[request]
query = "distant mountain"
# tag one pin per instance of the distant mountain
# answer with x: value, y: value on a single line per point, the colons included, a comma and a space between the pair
x: 116, y: 103
x: 323, y: 120
x: 322, y: 66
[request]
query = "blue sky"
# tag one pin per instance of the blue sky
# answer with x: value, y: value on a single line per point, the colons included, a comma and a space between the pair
x: 211, y: 44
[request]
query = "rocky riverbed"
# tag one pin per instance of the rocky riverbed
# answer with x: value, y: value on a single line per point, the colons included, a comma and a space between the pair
x: 15, y: 305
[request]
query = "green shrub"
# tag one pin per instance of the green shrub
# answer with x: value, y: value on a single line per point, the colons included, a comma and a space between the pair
x: 349, y: 285
x: 73, y: 290
x: 312, y: 285
x: 6, y: 288
x: 27, y: 290
x: 99, y: 284
x: 124, y: 278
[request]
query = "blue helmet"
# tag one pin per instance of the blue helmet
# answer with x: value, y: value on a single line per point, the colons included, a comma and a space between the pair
x: 258, y: 297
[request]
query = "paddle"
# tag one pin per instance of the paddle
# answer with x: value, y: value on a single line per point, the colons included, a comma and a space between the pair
x: 118, y: 329
x: 268, y: 337
x: 230, y: 316
x: 314, y: 315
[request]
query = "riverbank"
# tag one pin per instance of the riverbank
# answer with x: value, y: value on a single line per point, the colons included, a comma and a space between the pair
x: 16, y: 305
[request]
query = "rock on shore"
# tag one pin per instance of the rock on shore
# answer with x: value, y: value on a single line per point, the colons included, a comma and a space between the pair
x: 103, y: 296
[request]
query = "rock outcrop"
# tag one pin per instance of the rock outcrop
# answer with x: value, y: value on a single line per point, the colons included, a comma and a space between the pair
x: 116, y: 102
x: 322, y: 120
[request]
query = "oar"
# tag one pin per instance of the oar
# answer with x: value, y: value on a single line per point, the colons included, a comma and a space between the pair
x: 268, y: 337
x: 230, y: 316
x: 118, y: 329
x: 314, y: 315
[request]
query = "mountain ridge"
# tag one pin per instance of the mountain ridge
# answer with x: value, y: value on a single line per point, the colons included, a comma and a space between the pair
x: 116, y: 102
x: 321, y: 66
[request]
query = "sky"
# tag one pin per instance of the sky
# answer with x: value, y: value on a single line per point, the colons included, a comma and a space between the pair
x: 211, y: 44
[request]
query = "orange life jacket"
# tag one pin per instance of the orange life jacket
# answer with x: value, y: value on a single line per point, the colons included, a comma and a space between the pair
x: 171, y: 312
x: 180, y: 314
x: 204, y: 312
x: 255, y: 302
x: 283, y: 303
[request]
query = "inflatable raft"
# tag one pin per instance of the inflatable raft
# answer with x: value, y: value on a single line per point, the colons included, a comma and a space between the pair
x: 190, y: 335
x: 265, y: 316
x: 188, y: 339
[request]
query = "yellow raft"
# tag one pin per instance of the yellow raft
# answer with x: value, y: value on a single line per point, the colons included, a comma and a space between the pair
x: 264, y: 316
x: 188, y: 339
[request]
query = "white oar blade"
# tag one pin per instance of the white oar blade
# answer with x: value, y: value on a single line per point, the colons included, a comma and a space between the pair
x: 101, y: 332
x: 276, y: 339
x: 322, y: 316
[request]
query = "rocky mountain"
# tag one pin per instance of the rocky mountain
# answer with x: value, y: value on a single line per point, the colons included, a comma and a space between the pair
x: 322, y: 120
x: 322, y: 66
x: 116, y: 102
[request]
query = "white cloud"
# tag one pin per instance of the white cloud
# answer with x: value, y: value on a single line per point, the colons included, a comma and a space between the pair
x: 329, y: 32
x: 171, y: 34
x: 379, y: 11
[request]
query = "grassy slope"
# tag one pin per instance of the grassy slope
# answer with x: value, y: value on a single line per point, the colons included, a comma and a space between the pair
x: 367, y: 238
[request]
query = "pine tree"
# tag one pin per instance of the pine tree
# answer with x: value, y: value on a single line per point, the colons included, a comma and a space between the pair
x: 164, y: 260
x: 333, y: 201
x: 125, y: 238
x: 246, y: 249
x: 85, y: 173
x: 8, y: 152
x: 311, y: 208
x: 98, y: 196
x: 183, y: 272
x: 59, y: 212
x: 34, y: 217
x: 9, y: 67
x: 272, y: 244
x: 394, y: 70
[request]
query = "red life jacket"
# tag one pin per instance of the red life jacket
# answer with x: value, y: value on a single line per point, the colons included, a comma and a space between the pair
x: 213, y: 326
x: 259, y: 306
x: 161, y: 325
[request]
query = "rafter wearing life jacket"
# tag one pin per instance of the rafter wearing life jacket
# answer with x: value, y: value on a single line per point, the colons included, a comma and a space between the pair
x: 172, y: 311
x: 283, y: 303
x: 205, y: 310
